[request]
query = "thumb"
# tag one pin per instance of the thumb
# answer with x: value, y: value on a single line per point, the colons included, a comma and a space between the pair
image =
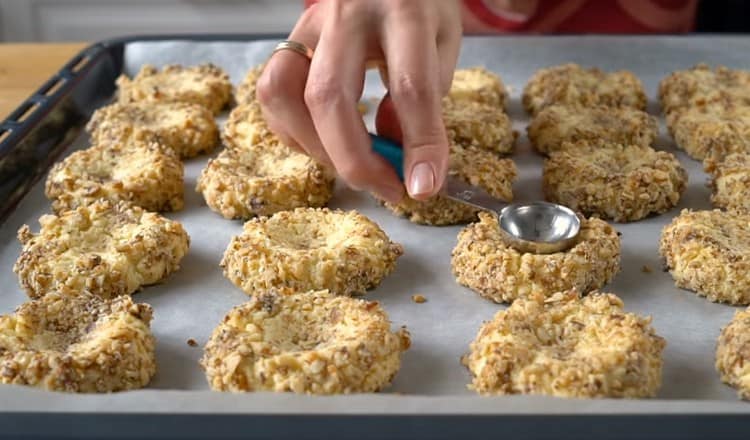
x: 427, y: 163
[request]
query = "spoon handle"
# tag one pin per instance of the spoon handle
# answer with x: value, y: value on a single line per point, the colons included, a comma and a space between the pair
x: 391, y: 152
x: 460, y: 191
x: 454, y: 189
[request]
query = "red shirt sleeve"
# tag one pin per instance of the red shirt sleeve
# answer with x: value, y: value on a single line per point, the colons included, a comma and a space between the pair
x: 582, y: 16
x: 577, y: 16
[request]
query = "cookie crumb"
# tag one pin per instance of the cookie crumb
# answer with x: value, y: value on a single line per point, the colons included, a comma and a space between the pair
x: 192, y: 342
x: 419, y: 299
x: 645, y: 269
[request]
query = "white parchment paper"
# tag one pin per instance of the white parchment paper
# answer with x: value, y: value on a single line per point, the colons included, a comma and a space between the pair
x: 194, y: 300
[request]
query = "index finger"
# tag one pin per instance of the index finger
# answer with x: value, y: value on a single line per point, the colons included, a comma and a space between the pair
x: 333, y: 89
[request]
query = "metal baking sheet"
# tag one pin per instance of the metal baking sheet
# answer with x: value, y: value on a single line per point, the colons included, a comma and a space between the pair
x: 431, y: 381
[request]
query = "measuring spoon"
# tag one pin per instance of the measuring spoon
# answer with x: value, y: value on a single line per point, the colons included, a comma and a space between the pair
x: 536, y: 227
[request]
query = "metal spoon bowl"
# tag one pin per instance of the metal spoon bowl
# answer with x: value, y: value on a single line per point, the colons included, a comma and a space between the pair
x: 538, y: 227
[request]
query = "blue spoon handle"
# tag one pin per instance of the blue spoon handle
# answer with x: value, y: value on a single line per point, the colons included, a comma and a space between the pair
x: 391, y: 152
x: 454, y: 189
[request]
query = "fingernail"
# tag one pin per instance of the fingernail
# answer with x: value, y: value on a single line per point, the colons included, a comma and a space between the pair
x: 422, y: 179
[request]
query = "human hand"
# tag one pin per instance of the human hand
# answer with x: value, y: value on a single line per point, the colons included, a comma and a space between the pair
x: 312, y: 105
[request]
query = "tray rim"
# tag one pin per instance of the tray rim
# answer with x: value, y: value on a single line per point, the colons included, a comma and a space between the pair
x: 650, y: 409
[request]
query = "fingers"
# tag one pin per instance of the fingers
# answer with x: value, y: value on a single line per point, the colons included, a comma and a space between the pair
x: 386, y: 120
x: 334, y: 85
x: 285, y: 139
x: 415, y: 86
x: 281, y: 88
x: 312, y: 105
x: 449, y: 46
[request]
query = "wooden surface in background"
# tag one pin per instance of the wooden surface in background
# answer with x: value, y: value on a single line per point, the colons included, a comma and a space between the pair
x: 24, y: 67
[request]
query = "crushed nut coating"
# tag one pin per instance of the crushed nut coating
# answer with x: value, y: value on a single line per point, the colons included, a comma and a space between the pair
x: 105, y: 248
x: 702, y: 86
x: 258, y: 175
x: 206, y: 85
x: 708, y: 252
x: 310, y: 249
x: 78, y: 342
x: 733, y: 354
x: 567, y: 346
x: 621, y: 182
x: 483, y: 262
x: 730, y: 181
x: 559, y: 125
x: 312, y: 343
x: 245, y: 93
x: 573, y: 85
x: 147, y: 174
x: 477, y: 84
x: 188, y: 129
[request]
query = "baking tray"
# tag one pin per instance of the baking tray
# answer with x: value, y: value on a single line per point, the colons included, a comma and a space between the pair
x: 429, y: 398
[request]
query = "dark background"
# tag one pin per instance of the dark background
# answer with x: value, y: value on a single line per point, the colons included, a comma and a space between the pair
x: 723, y: 16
